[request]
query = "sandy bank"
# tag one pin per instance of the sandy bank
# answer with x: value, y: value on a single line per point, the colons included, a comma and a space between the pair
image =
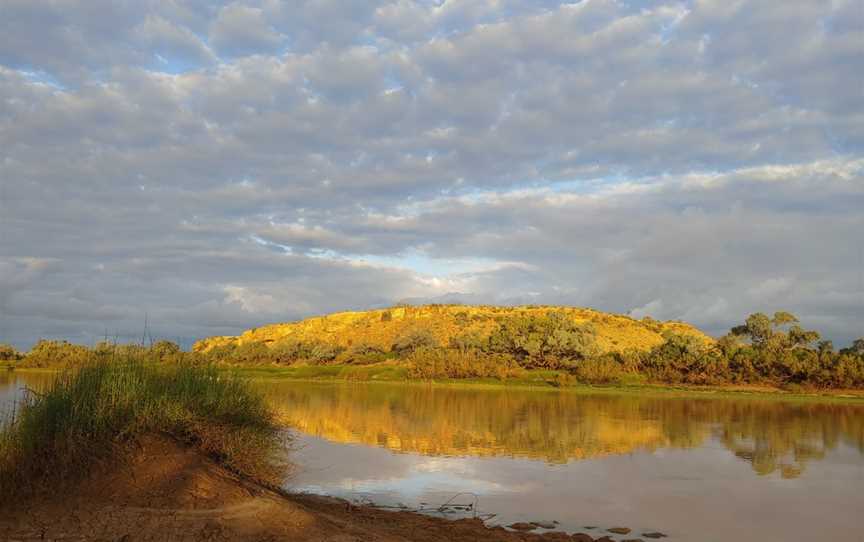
x: 164, y: 491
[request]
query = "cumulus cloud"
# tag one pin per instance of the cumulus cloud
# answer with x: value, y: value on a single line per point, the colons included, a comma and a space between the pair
x: 240, y: 29
x: 219, y: 166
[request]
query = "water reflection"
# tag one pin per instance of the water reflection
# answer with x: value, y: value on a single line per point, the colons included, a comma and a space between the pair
x: 772, y: 436
x: 695, y: 468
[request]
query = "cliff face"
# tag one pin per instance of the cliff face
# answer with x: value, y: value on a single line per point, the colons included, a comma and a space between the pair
x: 381, y: 327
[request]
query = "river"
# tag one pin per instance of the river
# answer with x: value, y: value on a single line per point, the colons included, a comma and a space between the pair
x: 694, y: 468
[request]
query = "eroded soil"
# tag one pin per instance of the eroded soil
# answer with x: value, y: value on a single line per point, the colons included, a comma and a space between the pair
x: 165, y: 491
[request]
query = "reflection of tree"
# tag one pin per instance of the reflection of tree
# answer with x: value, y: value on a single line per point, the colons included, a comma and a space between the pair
x: 785, y: 439
x: 558, y: 427
x: 6, y: 378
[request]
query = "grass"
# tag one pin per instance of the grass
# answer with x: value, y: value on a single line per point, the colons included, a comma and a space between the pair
x: 537, y: 379
x: 84, y: 415
x: 379, y: 373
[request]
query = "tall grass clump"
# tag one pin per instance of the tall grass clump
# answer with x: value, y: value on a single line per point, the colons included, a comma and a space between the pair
x: 87, y: 414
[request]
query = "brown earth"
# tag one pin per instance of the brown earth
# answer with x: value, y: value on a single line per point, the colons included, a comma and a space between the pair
x: 165, y: 491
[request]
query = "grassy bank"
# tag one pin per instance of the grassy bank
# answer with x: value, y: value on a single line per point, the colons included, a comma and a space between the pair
x: 540, y: 380
x: 85, y: 414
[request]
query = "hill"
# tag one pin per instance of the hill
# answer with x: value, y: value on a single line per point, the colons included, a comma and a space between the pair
x: 381, y: 328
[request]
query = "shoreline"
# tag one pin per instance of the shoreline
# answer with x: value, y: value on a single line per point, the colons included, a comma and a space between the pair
x: 159, y: 489
x: 648, y: 390
x: 539, y: 384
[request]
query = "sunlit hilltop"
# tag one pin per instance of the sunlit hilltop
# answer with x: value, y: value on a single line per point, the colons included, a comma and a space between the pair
x: 380, y: 328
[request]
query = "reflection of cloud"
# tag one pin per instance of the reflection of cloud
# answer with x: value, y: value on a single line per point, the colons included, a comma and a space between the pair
x: 703, y: 490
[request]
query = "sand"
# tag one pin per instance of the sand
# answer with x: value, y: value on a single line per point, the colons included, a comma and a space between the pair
x: 161, y: 490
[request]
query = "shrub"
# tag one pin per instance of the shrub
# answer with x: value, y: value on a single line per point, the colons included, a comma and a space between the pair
x: 288, y: 351
x: 467, y: 341
x: 85, y: 413
x: 321, y: 353
x: 543, y: 340
x: 605, y: 369
x: 58, y: 354
x: 251, y: 353
x: 363, y: 354
x: 430, y: 363
x: 8, y: 353
x: 166, y: 351
x: 221, y: 354
x: 685, y: 358
x: 414, y: 339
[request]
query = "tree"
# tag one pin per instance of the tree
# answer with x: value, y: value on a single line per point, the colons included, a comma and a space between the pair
x: 767, y: 333
x: 757, y: 328
x: 543, y: 340
x: 782, y: 318
x: 686, y: 357
x: 8, y: 353
x: 856, y: 349
x: 800, y: 337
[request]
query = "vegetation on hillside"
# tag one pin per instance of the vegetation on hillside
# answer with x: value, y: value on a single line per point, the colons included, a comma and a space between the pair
x: 764, y: 350
x: 576, y: 345
x: 442, y: 324
x: 85, y: 414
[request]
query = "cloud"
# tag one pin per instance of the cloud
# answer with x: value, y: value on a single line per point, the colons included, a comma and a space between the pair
x: 218, y: 166
x: 240, y: 29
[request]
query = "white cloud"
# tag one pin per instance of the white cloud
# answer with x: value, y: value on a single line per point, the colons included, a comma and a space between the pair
x: 705, y: 157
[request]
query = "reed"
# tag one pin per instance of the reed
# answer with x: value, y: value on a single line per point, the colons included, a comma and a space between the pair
x: 86, y: 414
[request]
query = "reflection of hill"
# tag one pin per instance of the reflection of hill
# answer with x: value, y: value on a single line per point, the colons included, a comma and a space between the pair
x: 558, y: 427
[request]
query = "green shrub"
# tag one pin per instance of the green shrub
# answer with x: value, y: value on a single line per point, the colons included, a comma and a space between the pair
x: 288, y: 351
x: 363, y: 354
x: 8, y: 353
x: 685, y: 358
x: 221, y: 354
x: 600, y: 370
x: 414, y: 339
x: 431, y: 363
x: 543, y: 341
x: 57, y: 354
x: 467, y: 341
x: 85, y: 413
x: 323, y: 353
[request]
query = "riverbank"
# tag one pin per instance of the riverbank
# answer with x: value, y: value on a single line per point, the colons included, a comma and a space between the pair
x: 540, y: 380
x: 161, y: 489
x: 536, y: 380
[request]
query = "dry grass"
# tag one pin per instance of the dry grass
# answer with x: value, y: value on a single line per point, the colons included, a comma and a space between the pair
x: 58, y: 433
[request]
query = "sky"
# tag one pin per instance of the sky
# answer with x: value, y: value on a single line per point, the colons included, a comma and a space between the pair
x: 213, y: 167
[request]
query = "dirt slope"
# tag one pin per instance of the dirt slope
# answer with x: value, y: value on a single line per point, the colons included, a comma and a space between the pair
x: 380, y: 328
x: 164, y: 491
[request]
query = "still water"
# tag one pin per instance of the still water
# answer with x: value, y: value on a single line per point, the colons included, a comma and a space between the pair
x: 697, y: 469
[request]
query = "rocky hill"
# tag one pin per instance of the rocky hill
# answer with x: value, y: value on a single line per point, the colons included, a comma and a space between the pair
x: 380, y: 328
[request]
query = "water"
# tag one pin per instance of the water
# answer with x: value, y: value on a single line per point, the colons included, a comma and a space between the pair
x: 694, y: 468
x: 13, y: 386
